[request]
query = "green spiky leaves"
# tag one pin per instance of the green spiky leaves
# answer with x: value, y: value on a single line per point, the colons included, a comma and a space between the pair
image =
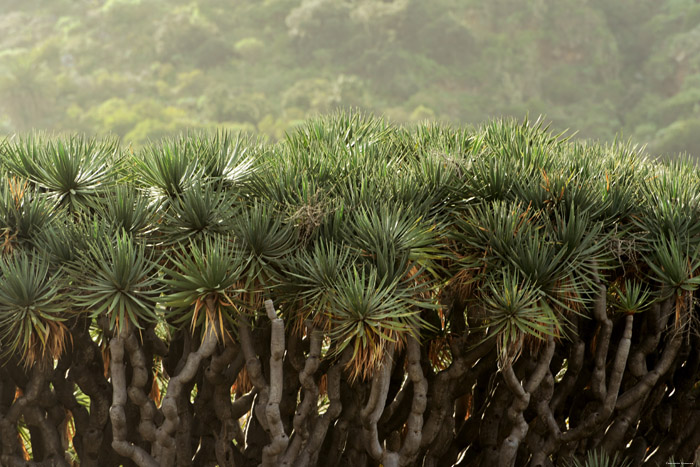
x: 311, y: 276
x: 600, y: 458
x: 72, y: 171
x: 674, y: 265
x: 200, y: 211
x: 366, y: 314
x: 357, y: 226
x: 516, y: 311
x: 203, y: 283
x: 171, y: 166
x: 33, y: 307
x: 631, y: 297
x: 118, y: 278
x: 25, y: 213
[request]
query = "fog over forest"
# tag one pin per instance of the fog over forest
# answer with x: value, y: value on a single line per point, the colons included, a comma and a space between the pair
x: 145, y: 69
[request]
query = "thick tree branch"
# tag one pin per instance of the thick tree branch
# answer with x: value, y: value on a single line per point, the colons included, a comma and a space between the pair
x: 279, y: 438
x: 602, y: 341
x: 372, y: 411
x: 252, y: 363
x: 509, y: 447
x: 117, y: 412
x: 619, y: 365
x: 309, y: 454
x: 440, y: 391
x: 51, y: 444
x: 414, y: 424
x: 169, y: 406
x: 649, y: 380
x: 310, y: 400
x: 139, y: 380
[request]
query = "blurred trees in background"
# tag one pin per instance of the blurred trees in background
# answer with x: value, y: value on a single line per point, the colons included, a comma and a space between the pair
x: 144, y: 69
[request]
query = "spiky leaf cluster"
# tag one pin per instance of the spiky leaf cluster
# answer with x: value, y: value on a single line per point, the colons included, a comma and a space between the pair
x: 367, y: 229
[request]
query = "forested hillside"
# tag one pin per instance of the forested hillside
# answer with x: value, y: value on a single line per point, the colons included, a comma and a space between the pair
x: 143, y: 69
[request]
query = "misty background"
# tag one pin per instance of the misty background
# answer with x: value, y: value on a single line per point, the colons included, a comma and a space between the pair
x: 144, y: 69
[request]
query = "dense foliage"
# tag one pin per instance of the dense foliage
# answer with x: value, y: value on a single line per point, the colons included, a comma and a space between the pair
x: 146, y: 68
x: 356, y: 294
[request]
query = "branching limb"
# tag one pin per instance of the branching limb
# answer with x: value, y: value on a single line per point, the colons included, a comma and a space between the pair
x: 164, y: 434
x: 600, y: 416
x: 116, y: 411
x: 220, y: 373
x: 27, y: 405
x: 51, y: 444
x: 87, y: 371
x: 649, y: 380
x: 440, y: 391
x: 602, y: 340
x: 616, y: 432
x: 549, y: 425
x: 310, y: 452
x: 414, y: 424
x: 309, y: 403
x: 214, y: 372
x: 279, y: 438
x: 509, y: 448
x: 372, y: 411
x: 252, y: 363
x: 575, y: 363
x: 137, y: 395
x: 619, y: 365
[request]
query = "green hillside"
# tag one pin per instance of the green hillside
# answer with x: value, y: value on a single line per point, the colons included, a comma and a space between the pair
x: 144, y: 69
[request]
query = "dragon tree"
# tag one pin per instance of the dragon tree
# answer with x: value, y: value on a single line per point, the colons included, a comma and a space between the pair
x: 357, y: 294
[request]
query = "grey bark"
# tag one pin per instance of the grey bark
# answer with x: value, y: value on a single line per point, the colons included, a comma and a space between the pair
x: 117, y: 411
x: 509, y: 447
x: 279, y: 439
x: 165, y: 447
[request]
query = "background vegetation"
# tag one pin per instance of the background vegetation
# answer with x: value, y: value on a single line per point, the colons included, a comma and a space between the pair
x: 143, y: 69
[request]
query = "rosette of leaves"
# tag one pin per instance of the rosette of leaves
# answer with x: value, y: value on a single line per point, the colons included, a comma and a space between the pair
x: 203, y: 283
x: 71, y: 171
x: 670, y: 202
x: 310, y: 277
x: 390, y: 292
x: 24, y: 213
x: 395, y: 240
x: 675, y: 265
x: 127, y: 209
x: 299, y: 185
x: 631, y: 297
x: 560, y: 253
x: 201, y: 210
x: 264, y: 240
x: 427, y: 138
x: 427, y: 186
x: 600, y: 458
x: 32, y: 308
x: 517, y: 314
x: 70, y: 235
x: 341, y: 129
x: 225, y: 157
x: 367, y: 314
x: 167, y: 167
x: 62, y: 240
x: 118, y: 277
